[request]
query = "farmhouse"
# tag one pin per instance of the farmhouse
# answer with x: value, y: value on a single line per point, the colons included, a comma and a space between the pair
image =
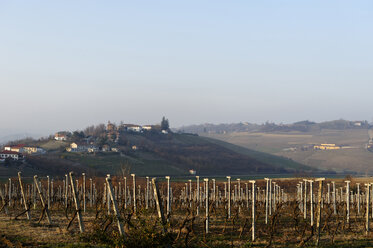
x: 77, y: 147
x: 327, y: 147
x: 17, y: 148
x: 133, y: 128
x: 33, y: 150
x: 60, y: 136
x: 147, y: 127
x: 22, y: 148
x: 10, y: 154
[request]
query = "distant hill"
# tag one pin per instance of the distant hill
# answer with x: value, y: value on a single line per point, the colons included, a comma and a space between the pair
x: 157, y: 154
x: 219, y: 128
x: 301, y: 126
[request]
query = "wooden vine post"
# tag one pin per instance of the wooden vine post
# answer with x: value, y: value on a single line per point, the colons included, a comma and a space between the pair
x: 66, y: 189
x: 311, y: 201
x: 305, y: 199
x: 23, y: 196
x: 147, y: 193
x: 334, y: 198
x: 247, y: 195
x: 125, y: 192
x: 76, y: 201
x: 367, y: 193
x: 207, y: 204
x: 134, y: 192
x: 229, y: 196
x: 266, y: 200
x: 301, y: 207
x: 10, y: 192
x: 270, y: 197
x: 158, y: 203
x: 115, y: 204
x: 49, y: 192
x: 198, y: 195
x: 239, y: 188
x: 253, y: 210
x: 84, y: 193
x: 91, y: 192
x: 318, y: 223
x: 168, y: 197
x: 43, y: 203
x: 358, y: 198
x: 347, y: 201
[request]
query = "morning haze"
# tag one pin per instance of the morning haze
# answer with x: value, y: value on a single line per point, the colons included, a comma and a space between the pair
x: 72, y: 64
x: 193, y: 123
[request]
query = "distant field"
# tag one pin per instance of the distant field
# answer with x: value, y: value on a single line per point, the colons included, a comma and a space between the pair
x: 354, y: 159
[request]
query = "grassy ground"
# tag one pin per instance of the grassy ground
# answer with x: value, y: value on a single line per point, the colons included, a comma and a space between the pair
x: 54, y: 145
x: 234, y: 233
x: 140, y: 163
x: 22, y: 233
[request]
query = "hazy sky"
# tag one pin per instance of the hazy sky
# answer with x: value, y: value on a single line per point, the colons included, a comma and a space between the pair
x: 68, y: 64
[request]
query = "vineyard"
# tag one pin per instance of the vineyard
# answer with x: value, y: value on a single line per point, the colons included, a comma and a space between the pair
x: 129, y: 211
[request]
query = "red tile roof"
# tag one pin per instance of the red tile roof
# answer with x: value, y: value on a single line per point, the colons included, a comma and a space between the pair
x: 59, y: 135
x: 9, y: 152
x: 18, y: 146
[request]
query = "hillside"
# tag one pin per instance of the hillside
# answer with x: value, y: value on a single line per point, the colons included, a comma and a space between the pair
x: 157, y: 154
x: 298, y: 146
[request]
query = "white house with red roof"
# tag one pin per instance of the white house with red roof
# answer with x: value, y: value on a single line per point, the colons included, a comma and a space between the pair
x: 61, y: 136
x: 16, y: 148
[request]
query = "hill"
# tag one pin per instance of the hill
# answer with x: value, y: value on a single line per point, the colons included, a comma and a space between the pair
x: 353, y: 157
x: 301, y: 126
x: 158, y: 154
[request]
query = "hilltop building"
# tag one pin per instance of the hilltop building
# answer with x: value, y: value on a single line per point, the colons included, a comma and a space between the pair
x: 147, y: 127
x: 61, y: 136
x: 133, y: 128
